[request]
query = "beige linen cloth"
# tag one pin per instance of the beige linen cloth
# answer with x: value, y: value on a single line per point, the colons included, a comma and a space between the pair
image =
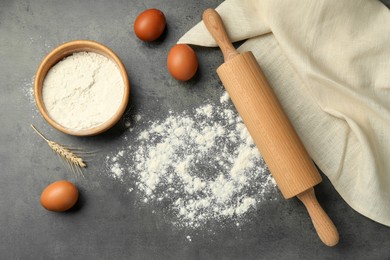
x: 329, y: 63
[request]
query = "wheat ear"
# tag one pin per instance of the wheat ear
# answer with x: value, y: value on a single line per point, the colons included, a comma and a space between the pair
x: 63, y: 152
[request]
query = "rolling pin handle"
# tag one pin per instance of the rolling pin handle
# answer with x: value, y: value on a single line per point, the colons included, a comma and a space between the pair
x: 324, y: 226
x: 214, y: 24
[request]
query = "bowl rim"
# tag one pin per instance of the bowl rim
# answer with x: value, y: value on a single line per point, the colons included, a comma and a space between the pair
x: 59, y: 53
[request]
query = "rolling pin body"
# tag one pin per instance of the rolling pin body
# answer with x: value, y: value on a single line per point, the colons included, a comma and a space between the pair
x: 270, y: 128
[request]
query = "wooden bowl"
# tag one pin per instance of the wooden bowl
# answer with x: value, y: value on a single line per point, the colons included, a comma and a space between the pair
x: 60, y: 53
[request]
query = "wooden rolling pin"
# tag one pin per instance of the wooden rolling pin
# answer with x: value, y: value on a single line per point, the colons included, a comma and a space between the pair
x: 270, y: 128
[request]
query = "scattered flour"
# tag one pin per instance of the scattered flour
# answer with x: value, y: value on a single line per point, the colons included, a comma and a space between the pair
x: 127, y: 124
x: 29, y: 89
x: 138, y: 118
x: 28, y: 92
x: 117, y: 170
x: 206, y: 110
x: 199, y: 167
x: 128, y: 120
x: 224, y: 98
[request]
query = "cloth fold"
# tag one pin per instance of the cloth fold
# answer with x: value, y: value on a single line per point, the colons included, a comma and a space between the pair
x: 242, y: 20
x: 328, y: 62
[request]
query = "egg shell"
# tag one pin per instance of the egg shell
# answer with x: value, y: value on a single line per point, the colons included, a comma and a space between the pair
x: 149, y: 25
x: 59, y: 196
x: 182, y: 62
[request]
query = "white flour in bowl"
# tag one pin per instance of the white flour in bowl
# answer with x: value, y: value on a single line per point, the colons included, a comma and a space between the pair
x: 83, y: 90
x: 199, y: 166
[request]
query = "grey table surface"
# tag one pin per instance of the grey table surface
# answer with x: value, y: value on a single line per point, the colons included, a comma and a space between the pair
x: 107, y: 223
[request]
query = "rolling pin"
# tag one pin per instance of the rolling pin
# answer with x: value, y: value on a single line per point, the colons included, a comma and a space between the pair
x: 270, y: 128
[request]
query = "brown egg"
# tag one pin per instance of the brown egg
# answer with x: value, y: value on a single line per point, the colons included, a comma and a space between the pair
x: 59, y: 196
x: 182, y: 62
x: 149, y: 25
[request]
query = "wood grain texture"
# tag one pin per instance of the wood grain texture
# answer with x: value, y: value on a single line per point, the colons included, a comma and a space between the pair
x: 270, y: 128
x: 214, y: 24
x: 324, y: 226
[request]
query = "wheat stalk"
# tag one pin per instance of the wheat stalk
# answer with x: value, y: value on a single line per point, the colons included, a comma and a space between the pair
x: 65, y: 153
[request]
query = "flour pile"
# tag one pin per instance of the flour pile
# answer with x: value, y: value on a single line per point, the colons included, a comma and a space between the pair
x: 202, y: 166
x: 83, y: 90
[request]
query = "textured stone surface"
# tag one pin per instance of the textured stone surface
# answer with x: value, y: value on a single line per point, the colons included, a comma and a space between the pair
x: 107, y: 223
